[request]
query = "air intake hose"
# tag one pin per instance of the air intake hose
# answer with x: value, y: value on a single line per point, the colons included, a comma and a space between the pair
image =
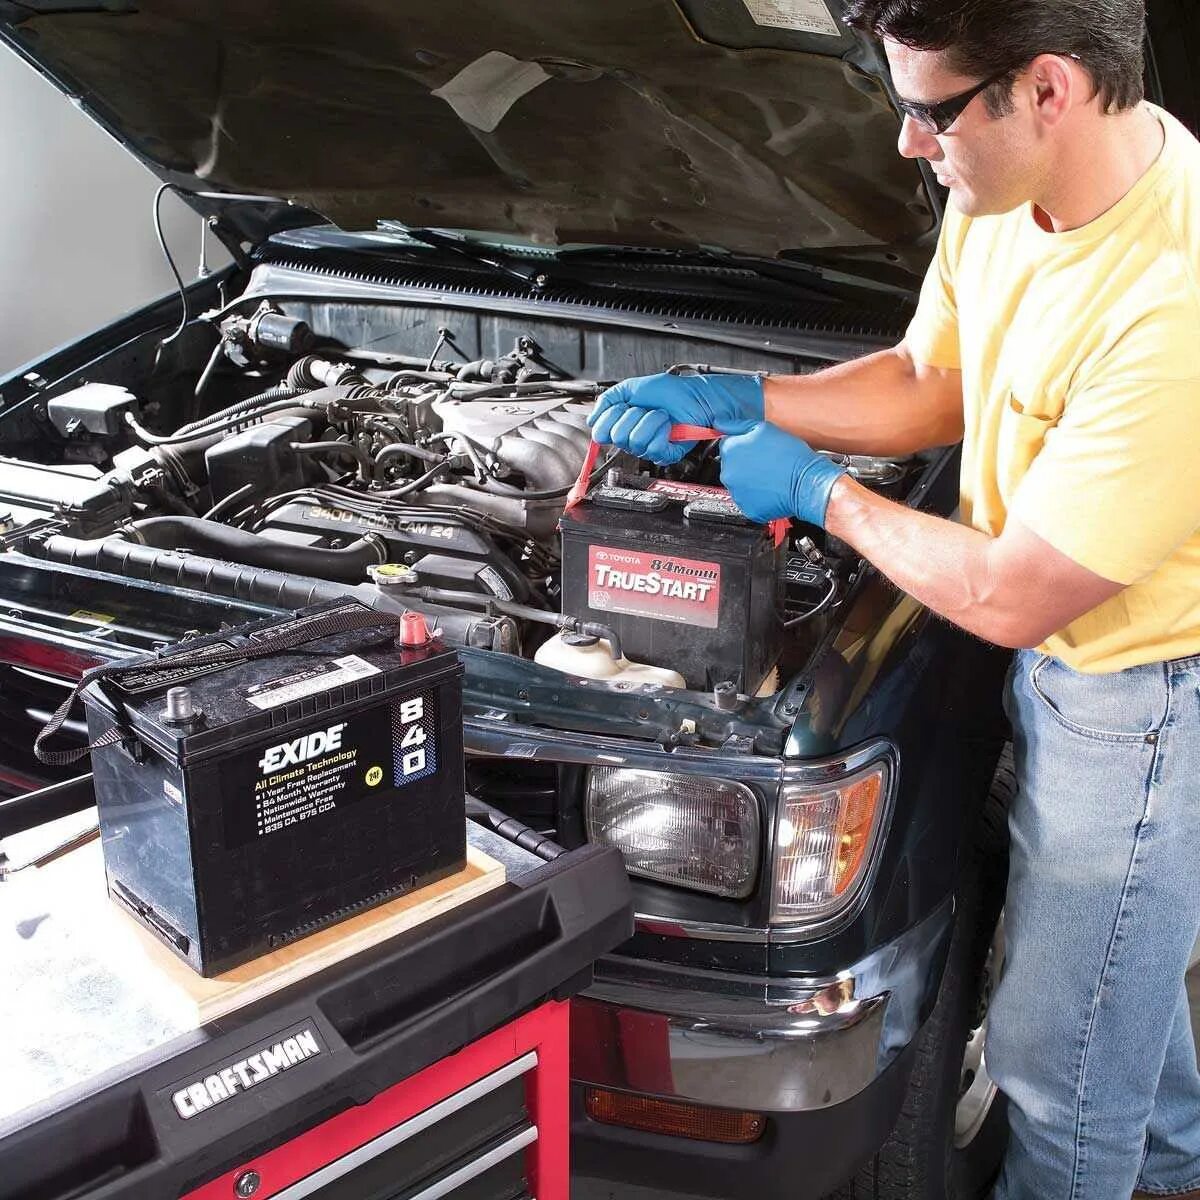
x: 348, y: 565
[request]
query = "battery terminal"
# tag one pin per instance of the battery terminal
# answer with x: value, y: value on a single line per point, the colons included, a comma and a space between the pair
x: 180, y: 707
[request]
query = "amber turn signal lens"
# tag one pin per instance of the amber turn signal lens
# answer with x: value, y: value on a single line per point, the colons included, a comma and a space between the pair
x: 855, y: 823
x: 672, y: 1118
x: 825, y: 839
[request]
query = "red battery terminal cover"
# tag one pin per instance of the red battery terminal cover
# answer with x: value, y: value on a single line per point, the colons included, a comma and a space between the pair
x: 414, y: 630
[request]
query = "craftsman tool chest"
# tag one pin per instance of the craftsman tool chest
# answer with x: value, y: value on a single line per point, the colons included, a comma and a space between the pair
x: 434, y: 1064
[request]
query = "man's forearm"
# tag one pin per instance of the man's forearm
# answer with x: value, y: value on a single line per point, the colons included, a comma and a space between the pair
x: 882, y: 405
x: 949, y: 568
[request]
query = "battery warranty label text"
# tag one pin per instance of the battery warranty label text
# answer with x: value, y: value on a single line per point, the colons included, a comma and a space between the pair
x: 662, y: 587
x: 323, y: 769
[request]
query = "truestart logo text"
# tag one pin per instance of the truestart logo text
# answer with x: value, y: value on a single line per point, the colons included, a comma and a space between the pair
x: 301, y: 749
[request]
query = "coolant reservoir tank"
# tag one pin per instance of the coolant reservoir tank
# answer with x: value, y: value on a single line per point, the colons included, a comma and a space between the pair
x: 591, y: 658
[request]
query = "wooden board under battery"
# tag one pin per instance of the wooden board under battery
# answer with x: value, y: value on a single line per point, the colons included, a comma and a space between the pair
x: 78, y: 879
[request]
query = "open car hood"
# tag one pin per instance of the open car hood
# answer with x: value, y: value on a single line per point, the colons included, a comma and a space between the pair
x: 752, y: 125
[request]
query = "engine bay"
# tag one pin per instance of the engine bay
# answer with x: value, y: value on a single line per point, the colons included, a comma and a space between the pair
x: 315, y: 449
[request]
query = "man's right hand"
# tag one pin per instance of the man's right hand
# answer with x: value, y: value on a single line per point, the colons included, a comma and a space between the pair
x: 637, y: 414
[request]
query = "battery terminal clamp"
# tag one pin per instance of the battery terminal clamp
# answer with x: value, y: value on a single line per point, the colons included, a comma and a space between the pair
x: 810, y: 570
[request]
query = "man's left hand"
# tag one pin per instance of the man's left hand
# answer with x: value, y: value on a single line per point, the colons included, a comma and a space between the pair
x: 772, y: 474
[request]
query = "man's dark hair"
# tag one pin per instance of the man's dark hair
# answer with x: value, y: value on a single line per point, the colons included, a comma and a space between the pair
x: 981, y: 36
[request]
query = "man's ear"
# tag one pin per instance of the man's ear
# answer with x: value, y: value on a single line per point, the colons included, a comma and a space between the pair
x: 1055, y: 84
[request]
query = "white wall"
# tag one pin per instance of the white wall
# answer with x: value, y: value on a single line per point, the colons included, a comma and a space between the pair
x: 77, y: 246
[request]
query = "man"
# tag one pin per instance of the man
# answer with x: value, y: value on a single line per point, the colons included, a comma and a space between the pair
x: 1056, y: 335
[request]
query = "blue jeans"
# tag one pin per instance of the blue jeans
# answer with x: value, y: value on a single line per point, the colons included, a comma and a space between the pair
x: 1089, y: 1033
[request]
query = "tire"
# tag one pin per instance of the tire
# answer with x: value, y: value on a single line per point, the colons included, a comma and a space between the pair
x: 926, y: 1158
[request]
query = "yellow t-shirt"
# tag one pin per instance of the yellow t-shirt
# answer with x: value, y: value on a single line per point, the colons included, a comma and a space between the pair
x: 1080, y: 357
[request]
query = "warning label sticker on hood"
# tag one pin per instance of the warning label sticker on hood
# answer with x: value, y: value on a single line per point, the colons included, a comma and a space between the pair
x: 659, y: 586
x: 804, y: 16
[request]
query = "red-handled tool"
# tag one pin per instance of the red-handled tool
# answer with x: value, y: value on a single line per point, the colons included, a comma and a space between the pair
x: 679, y: 433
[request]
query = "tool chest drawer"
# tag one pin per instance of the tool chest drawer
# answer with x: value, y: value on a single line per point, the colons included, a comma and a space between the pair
x: 469, y: 1146
x: 487, y: 1123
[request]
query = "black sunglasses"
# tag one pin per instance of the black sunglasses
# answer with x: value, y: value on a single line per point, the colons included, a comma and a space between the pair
x: 937, y: 118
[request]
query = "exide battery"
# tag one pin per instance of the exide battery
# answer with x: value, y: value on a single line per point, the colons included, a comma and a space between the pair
x: 681, y: 575
x: 299, y: 770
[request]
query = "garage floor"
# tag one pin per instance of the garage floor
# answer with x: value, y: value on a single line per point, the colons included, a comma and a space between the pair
x: 596, y: 1189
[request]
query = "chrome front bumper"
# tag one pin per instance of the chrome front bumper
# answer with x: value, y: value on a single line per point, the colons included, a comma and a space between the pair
x: 752, y: 1042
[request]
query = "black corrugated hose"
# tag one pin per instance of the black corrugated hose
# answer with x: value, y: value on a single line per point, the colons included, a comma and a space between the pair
x: 348, y: 565
x: 513, y: 830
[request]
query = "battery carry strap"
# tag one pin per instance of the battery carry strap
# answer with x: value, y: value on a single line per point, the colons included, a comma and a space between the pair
x: 679, y: 433
x: 310, y: 628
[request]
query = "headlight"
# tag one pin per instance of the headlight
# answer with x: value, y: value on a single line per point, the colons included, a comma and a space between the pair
x: 688, y: 830
x: 825, y: 841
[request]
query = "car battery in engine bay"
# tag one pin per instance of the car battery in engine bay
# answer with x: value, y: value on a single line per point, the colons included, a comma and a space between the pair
x: 258, y: 785
x: 681, y: 575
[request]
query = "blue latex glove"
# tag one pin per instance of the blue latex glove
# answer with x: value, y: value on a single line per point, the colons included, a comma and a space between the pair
x: 772, y: 474
x: 637, y: 414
